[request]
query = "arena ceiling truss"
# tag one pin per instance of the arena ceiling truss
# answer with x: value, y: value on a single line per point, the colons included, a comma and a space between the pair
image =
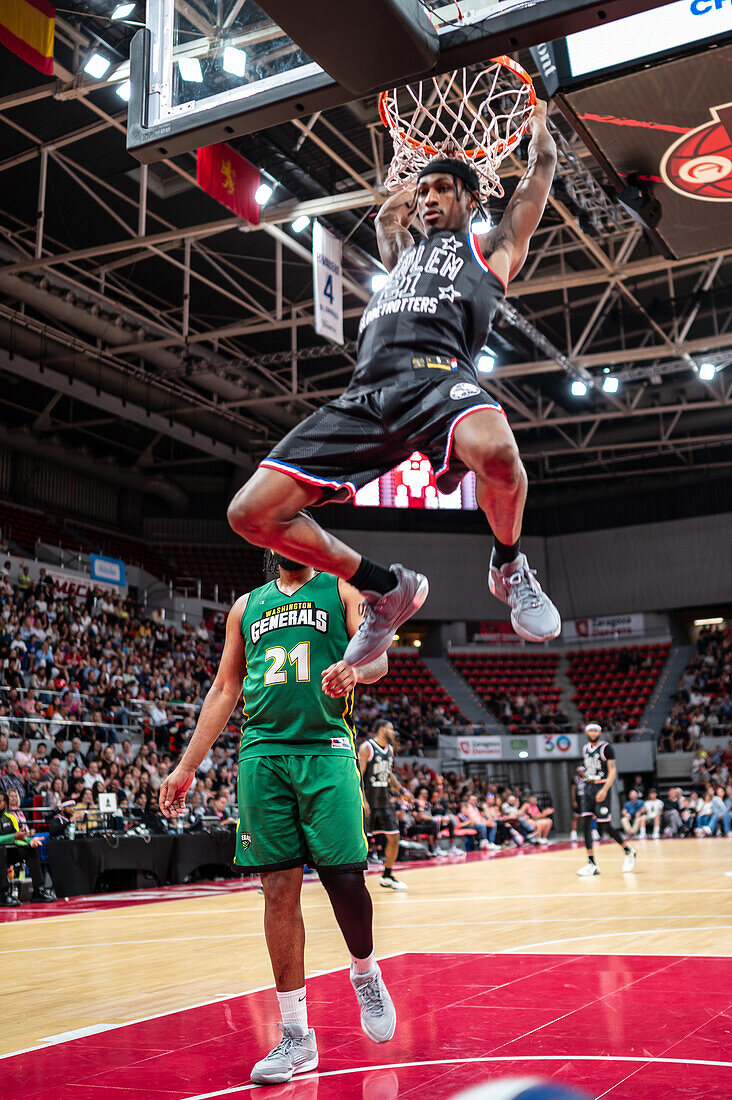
x: 138, y: 319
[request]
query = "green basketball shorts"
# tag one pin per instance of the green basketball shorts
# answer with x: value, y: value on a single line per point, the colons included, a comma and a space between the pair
x: 300, y: 809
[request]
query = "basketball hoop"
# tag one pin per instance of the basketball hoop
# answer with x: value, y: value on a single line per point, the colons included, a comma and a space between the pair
x: 478, y: 119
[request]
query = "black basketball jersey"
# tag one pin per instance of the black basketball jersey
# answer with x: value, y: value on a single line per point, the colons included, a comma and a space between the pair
x: 435, y: 310
x: 376, y: 775
x: 596, y: 757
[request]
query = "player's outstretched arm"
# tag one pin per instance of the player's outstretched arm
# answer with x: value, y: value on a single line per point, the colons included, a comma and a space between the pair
x: 508, y: 244
x: 392, y: 227
x: 216, y: 711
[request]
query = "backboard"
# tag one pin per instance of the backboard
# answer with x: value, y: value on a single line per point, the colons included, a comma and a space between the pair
x: 203, y: 71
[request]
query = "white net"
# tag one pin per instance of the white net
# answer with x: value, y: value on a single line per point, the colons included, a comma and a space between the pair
x: 475, y: 117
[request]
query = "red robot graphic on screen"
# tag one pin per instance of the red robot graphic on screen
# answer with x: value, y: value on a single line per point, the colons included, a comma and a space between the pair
x: 699, y: 164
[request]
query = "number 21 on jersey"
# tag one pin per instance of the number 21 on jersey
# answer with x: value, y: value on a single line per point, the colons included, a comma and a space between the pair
x: 299, y: 656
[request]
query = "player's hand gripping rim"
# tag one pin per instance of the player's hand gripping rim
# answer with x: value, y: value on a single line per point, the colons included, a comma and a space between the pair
x: 173, y: 792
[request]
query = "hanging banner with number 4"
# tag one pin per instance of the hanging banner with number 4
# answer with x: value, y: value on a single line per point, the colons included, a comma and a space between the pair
x: 327, y: 284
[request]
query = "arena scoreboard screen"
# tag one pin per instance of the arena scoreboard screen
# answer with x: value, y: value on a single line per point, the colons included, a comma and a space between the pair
x: 411, y: 484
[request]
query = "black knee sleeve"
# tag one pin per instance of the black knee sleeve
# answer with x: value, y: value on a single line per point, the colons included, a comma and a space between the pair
x: 587, y: 831
x: 353, y: 910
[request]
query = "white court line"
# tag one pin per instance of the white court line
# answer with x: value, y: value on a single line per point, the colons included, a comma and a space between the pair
x: 501, y: 923
x: 625, y: 932
x: 129, y: 911
x: 62, y: 1037
x: 464, y: 1061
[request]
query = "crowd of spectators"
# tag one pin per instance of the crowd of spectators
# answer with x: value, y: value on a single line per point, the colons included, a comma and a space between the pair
x: 525, y: 714
x: 487, y: 815
x: 419, y: 723
x: 703, y: 703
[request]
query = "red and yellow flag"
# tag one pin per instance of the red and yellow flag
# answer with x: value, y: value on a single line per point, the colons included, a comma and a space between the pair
x: 229, y: 178
x: 27, y: 28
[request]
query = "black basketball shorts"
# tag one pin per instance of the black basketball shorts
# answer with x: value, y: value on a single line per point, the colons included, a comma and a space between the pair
x: 590, y: 805
x: 365, y: 433
x: 382, y: 819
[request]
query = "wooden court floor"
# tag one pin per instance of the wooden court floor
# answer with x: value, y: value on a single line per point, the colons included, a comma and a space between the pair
x: 82, y: 973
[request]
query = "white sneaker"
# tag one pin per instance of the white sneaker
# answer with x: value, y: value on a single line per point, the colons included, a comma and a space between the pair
x: 293, y: 1054
x: 629, y: 861
x: 588, y: 870
x: 573, y: 834
x: 453, y: 850
x: 656, y: 834
x: 378, y: 1015
x: 484, y: 845
x: 392, y: 883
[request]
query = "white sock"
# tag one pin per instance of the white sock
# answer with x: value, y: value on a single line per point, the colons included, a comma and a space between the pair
x: 363, y: 966
x: 294, y: 1009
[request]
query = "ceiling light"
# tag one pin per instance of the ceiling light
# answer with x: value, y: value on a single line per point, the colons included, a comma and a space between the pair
x: 235, y: 61
x: 709, y: 622
x: 610, y: 384
x: 523, y: 755
x: 416, y: 643
x: 378, y: 281
x: 707, y: 371
x: 395, y: 638
x: 486, y: 361
x: 300, y: 223
x: 263, y: 194
x: 578, y: 388
x: 190, y: 70
x: 122, y: 11
x: 124, y: 91
x: 97, y: 66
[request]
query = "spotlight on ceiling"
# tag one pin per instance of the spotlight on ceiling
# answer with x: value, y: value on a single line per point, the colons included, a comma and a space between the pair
x: 578, y: 388
x: 97, y: 66
x: 122, y: 11
x: 235, y: 61
x: 486, y: 361
x: 610, y: 383
x: 263, y: 194
x: 378, y: 281
x: 300, y: 223
x: 190, y: 70
x: 124, y: 90
x: 707, y: 371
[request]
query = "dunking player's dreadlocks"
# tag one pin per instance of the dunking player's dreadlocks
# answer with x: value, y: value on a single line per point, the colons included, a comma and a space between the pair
x: 272, y: 561
x: 459, y: 170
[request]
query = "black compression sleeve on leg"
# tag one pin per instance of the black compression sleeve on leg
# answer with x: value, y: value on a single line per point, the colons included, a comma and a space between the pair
x: 587, y: 830
x: 616, y: 835
x: 353, y: 910
x: 506, y: 554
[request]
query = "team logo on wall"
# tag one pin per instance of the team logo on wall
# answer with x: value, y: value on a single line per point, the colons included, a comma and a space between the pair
x: 699, y: 164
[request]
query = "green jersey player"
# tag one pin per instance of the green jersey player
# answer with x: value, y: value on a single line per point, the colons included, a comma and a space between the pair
x: 299, y: 785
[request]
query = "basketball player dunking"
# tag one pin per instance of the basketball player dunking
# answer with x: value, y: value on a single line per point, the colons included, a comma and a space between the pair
x: 415, y: 387
x: 376, y: 757
x: 600, y: 773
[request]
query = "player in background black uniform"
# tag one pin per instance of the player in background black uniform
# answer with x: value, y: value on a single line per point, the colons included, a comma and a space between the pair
x: 600, y: 773
x: 415, y: 387
x: 376, y: 757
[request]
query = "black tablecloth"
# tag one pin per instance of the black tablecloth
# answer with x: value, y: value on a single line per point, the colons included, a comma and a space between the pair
x: 78, y: 865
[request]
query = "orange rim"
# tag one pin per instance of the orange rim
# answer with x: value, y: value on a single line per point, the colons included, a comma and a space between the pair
x: 479, y: 151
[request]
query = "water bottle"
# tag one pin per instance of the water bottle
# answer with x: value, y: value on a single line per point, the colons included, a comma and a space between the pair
x: 71, y: 830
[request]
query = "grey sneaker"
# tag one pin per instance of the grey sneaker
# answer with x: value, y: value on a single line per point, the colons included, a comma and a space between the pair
x: 293, y: 1054
x: 533, y: 615
x: 378, y: 1016
x: 383, y: 614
